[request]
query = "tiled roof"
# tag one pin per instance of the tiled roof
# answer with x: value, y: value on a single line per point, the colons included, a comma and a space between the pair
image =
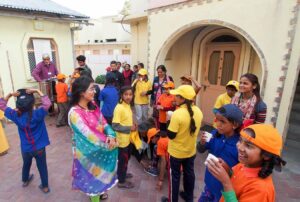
x: 43, y: 6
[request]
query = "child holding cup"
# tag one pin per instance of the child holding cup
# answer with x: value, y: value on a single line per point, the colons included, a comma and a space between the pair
x: 222, y: 144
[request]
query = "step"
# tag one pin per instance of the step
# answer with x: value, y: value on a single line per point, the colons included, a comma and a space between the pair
x: 297, y: 89
x: 294, y: 127
x: 292, y: 143
x: 297, y: 98
x: 294, y: 132
x: 296, y: 107
x: 295, y: 117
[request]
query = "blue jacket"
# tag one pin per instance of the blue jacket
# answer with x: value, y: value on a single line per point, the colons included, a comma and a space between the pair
x: 33, y: 135
x: 224, y: 148
x: 109, y: 96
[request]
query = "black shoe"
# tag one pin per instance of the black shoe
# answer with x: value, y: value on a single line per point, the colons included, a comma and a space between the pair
x: 182, y: 194
x: 164, y: 199
x: 30, y: 178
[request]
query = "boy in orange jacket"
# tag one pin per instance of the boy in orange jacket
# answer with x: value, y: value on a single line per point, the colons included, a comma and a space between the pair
x: 62, y: 100
x: 166, y: 102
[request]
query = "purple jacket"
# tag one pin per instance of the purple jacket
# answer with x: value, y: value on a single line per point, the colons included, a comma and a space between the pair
x: 43, y: 72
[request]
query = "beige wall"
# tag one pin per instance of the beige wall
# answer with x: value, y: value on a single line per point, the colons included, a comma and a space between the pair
x: 267, y: 31
x: 14, y: 37
x: 179, y: 60
x: 139, y: 42
x: 101, y: 29
x: 290, y: 82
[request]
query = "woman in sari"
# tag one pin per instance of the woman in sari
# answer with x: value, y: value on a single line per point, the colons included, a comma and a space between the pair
x: 94, y: 143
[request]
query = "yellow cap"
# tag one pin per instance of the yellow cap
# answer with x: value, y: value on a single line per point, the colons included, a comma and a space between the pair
x: 143, y: 72
x: 233, y: 83
x: 169, y: 84
x: 61, y: 76
x: 266, y: 137
x: 185, y: 91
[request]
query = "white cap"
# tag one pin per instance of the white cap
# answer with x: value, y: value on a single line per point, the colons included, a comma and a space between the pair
x: 45, y: 55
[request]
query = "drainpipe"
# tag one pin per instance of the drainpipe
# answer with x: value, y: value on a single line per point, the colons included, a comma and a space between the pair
x: 73, y: 29
x: 10, y: 72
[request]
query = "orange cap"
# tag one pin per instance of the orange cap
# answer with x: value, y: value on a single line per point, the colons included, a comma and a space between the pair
x: 169, y: 84
x: 266, y: 137
x: 61, y: 76
x: 151, y: 133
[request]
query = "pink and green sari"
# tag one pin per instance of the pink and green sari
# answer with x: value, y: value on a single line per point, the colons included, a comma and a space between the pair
x: 94, y: 164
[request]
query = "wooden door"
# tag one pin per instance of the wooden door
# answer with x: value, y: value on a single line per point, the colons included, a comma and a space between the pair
x: 221, y: 66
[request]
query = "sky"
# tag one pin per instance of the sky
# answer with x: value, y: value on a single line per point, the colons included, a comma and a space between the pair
x: 94, y: 8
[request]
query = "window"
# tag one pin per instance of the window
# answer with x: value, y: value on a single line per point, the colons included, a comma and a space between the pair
x: 228, y: 67
x: 213, y: 68
x: 110, y: 52
x: 96, y: 52
x: 37, y: 47
x: 225, y: 38
x: 125, y: 52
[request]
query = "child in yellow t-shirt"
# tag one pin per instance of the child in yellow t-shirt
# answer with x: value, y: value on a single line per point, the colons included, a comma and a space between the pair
x: 183, y: 132
x: 3, y: 141
x: 123, y: 124
x: 231, y: 88
x: 142, y: 89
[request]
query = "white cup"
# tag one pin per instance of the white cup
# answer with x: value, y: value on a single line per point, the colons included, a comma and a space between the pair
x: 207, y: 136
x: 210, y: 157
x: 169, y: 115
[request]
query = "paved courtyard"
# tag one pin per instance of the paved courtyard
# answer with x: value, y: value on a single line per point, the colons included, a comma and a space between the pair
x: 59, y: 159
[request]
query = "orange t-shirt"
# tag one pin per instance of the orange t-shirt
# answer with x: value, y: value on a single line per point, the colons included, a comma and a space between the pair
x: 61, y: 90
x: 166, y: 101
x: 162, y: 146
x: 248, y: 187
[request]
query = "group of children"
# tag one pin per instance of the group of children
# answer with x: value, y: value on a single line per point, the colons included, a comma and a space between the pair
x: 245, y: 157
x: 231, y: 144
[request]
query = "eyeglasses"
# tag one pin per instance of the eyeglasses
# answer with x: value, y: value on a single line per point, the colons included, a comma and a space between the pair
x: 92, y: 89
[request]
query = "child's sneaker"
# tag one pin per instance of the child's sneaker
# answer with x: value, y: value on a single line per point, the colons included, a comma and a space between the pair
x: 151, y: 171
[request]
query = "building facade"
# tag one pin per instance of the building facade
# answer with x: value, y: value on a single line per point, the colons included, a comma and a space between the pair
x: 103, y: 41
x: 30, y: 28
x: 219, y: 40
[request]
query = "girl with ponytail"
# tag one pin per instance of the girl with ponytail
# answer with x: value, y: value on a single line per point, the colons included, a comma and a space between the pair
x: 183, y: 132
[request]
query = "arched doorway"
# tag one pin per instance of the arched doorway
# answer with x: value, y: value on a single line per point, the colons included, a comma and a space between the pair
x: 220, y: 65
x: 213, y: 54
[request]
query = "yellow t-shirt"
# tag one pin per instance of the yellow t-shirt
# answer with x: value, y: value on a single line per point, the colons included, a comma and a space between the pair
x: 184, y: 144
x: 123, y: 116
x: 222, y: 100
x: 142, y: 86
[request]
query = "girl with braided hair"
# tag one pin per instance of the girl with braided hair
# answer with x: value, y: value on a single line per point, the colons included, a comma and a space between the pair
x: 183, y: 132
